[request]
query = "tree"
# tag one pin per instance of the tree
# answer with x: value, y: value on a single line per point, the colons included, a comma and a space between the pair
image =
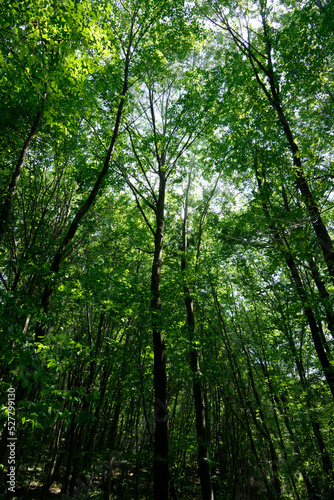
x: 166, y: 283
x: 157, y: 153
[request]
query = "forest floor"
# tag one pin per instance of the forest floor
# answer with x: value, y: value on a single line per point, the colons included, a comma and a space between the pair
x: 126, y: 485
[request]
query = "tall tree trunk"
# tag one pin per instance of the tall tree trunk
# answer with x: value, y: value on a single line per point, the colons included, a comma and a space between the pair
x: 160, y: 462
x: 65, y: 244
x: 310, y: 203
x: 312, y: 208
x: 308, y: 312
x: 325, y: 458
x: 271, y: 91
x: 276, y: 403
x: 326, y: 299
x: 201, y: 427
x: 9, y: 197
x: 241, y: 392
x: 265, y: 431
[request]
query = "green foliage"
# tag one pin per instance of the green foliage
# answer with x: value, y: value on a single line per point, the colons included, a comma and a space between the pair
x: 194, y: 110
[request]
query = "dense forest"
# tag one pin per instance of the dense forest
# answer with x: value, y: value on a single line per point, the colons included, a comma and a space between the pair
x: 166, y: 249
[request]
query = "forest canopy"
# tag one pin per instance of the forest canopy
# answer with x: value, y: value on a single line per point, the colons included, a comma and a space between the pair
x: 166, y: 249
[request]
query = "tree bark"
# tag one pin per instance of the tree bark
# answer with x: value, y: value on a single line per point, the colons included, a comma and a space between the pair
x: 326, y: 300
x: 201, y: 426
x: 312, y: 208
x: 40, y: 331
x: 8, y: 201
x: 160, y: 461
x: 273, y: 97
x: 308, y: 312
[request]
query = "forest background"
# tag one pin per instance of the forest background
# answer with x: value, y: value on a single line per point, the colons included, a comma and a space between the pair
x: 167, y: 265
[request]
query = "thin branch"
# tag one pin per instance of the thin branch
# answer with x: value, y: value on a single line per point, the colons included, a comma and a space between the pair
x: 150, y: 93
x: 95, y: 132
x: 4, y: 282
x: 142, y: 250
x: 141, y: 166
x: 200, y: 230
x: 141, y: 209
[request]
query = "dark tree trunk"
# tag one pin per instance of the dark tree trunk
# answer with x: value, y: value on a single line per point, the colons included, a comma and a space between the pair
x: 201, y: 427
x: 65, y: 244
x: 325, y: 458
x: 316, y: 334
x: 326, y: 300
x: 160, y: 463
x: 271, y: 91
x: 312, y: 208
x: 9, y: 197
x: 310, y: 203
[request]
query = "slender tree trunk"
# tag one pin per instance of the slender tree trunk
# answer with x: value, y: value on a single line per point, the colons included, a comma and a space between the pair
x: 160, y: 463
x: 326, y: 300
x: 311, y: 490
x: 70, y: 452
x: 325, y: 297
x: 53, y: 462
x: 8, y: 200
x: 272, y: 94
x: 312, y: 208
x: 316, y: 334
x: 282, y: 410
x: 66, y: 242
x: 325, y: 458
x: 310, y: 203
x: 201, y: 427
x: 266, y: 434
x: 237, y: 378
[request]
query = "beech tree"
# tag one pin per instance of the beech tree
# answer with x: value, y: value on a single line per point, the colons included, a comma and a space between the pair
x: 166, y: 229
